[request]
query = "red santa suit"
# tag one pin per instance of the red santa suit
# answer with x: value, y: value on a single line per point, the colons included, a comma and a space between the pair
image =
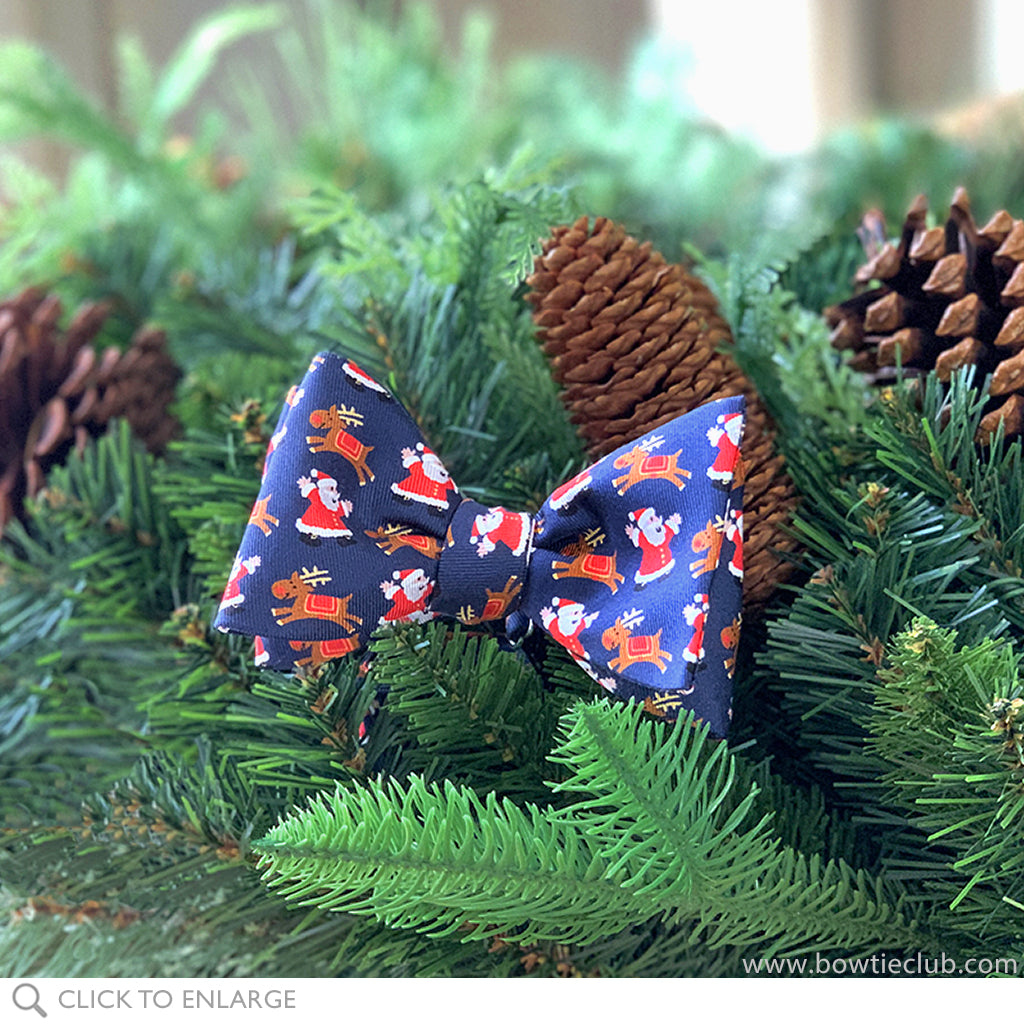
x: 260, y: 653
x: 656, y: 557
x: 362, y: 379
x: 233, y: 591
x: 428, y: 480
x: 696, y: 615
x: 562, y: 497
x: 734, y: 533
x: 499, y: 526
x: 726, y: 438
x: 323, y: 517
x: 566, y: 625
x: 409, y: 596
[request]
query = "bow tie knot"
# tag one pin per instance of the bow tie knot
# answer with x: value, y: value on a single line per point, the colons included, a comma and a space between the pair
x: 484, y: 563
x: 358, y: 526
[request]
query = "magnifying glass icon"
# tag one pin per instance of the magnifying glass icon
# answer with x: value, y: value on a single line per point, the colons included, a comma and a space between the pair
x: 26, y: 997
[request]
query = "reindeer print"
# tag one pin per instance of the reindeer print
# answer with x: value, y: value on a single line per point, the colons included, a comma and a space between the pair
x: 665, y: 703
x: 710, y: 540
x: 338, y: 440
x: 306, y: 604
x: 730, y: 638
x: 642, y: 465
x: 392, y: 537
x: 633, y: 649
x: 322, y: 651
x: 497, y: 605
x: 261, y: 518
x: 585, y: 564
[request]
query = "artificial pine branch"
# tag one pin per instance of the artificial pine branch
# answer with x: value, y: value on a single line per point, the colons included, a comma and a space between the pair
x: 945, y: 724
x: 473, y: 714
x: 661, y: 804
x: 645, y: 836
x: 440, y: 860
x: 445, y: 298
x: 156, y: 879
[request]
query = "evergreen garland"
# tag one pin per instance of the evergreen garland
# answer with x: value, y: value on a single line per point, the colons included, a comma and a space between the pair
x: 167, y: 809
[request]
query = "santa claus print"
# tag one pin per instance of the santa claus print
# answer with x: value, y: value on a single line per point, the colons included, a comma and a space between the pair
x: 726, y: 438
x: 696, y: 615
x: 499, y: 526
x: 233, y: 595
x: 260, y: 654
x: 565, y: 621
x: 608, y: 683
x: 363, y: 381
x: 408, y: 590
x: 323, y: 518
x: 652, y: 534
x: 428, y: 481
x: 563, y: 499
x: 734, y: 534
x: 275, y: 440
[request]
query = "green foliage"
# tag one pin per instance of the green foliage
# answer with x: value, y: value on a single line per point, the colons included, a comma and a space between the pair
x: 447, y: 295
x: 470, y: 713
x: 444, y: 808
x: 647, y: 835
x: 945, y: 726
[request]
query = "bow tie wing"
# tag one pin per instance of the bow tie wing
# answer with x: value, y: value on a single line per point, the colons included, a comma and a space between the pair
x: 348, y: 526
x: 638, y: 564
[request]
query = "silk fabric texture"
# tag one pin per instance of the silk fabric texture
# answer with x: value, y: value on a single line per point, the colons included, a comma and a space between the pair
x: 634, y: 566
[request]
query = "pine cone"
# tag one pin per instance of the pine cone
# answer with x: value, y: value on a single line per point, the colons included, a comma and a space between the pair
x: 56, y: 391
x: 950, y: 296
x: 634, y: 342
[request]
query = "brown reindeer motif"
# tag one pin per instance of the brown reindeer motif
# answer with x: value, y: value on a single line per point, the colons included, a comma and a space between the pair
x: 261, y: 518
x: 730, y: 638
x: 338, y: 440
x: 585, y: 564
x: 664, y: 703
x: 496, y: 606
x: 633, y: 648
x: 642, y: 465
x: 710, y: 540
x: 392, y: 537
x: 322, y: 651
x: 308, y: 605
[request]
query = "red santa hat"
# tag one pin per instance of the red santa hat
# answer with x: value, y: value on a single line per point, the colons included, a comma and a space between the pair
x: 262, y: 655
x: 728, y: 418
x: 321, y: 477
x: 642, y: 515
x: 361, y: 376
x: 403, y: 574
x: 564, y: 603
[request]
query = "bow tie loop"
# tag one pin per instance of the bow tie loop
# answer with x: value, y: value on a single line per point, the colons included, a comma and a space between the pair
x: 634, y: 566
x: 483, y: 564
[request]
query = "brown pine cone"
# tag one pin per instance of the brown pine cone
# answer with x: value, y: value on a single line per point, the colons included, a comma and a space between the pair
x: 635, y: 341
x: 947, y: 296
x: 56, y: 390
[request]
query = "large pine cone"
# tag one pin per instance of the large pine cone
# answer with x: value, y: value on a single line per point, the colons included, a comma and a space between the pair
x: 946, y: 296
x: 56, y: 390
x: 635, y: 341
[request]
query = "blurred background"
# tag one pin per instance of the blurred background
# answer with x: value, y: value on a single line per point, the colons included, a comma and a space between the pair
x: 695, y: 124
x: 783, y: 73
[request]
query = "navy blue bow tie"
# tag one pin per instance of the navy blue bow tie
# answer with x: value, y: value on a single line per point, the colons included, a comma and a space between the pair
x: 634, y: 566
